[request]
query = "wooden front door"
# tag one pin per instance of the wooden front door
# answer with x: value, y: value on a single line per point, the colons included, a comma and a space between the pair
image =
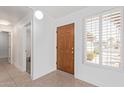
x: 65, y: 48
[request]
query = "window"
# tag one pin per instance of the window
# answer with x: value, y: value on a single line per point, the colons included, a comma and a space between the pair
x: 92, y: 30
x: 103, y: 39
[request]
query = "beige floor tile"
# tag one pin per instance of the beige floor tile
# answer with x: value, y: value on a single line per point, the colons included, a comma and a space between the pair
x: 10, y: 76
x: 7, y: 81
x: 22, y: 79
x: 3, y: 76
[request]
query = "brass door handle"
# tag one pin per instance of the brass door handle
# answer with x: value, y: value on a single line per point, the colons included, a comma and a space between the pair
x: 72, y: 52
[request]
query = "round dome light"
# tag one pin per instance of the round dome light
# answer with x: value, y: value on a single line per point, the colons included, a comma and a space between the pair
x: 39, y: 15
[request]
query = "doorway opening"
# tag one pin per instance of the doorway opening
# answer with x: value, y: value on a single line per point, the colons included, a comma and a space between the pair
x: 28, y: 46
x: 65, y: 48
x: 5, y: 46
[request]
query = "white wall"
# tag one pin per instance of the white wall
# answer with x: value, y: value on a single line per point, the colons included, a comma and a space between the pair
x: 4, y: 44
x: 92, y: 74
x: 43, y: 46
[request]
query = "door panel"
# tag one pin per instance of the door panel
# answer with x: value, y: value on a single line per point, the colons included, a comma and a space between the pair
x: 65, y: 48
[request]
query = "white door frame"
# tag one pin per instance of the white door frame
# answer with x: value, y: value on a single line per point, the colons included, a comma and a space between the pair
x: 10, y: 58
x: 25, y: 29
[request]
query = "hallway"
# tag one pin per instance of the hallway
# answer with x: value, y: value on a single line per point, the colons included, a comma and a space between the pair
x: 11, y: 77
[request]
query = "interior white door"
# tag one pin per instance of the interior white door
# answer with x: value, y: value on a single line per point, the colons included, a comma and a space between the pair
x: 28, y: 48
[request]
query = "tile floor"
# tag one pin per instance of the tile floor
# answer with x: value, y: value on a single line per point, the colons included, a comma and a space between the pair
x: 10, y: 76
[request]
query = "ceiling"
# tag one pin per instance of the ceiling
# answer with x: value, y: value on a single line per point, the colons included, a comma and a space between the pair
x: 13, y: 13
x: 60, y: 11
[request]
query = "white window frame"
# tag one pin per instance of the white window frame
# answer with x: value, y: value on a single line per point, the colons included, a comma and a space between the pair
x: 121, y: 66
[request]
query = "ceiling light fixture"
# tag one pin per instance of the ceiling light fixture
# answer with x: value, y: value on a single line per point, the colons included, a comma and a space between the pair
x: 4, y: 22
x: 39, y: 15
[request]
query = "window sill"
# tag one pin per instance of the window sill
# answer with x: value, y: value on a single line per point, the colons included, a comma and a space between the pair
x: 118, y: 69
